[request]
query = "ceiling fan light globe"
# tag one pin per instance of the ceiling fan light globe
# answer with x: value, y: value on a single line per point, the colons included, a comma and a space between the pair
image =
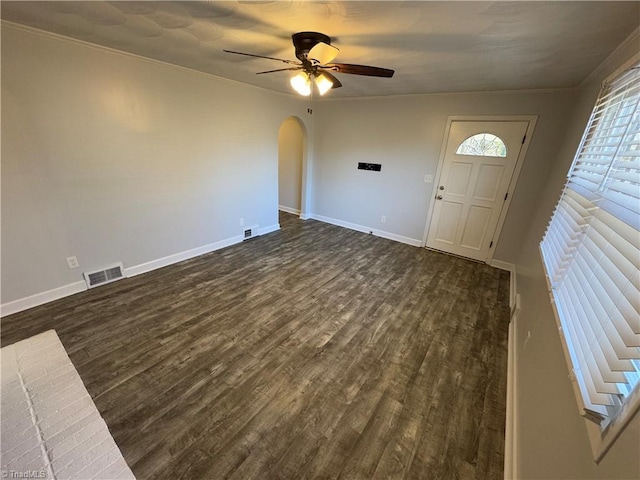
x: 323, y: 83
x: 301, y: 83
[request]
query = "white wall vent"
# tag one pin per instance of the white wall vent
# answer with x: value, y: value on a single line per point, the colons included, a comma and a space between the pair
x: 105, y: 275
x: 250, y: 232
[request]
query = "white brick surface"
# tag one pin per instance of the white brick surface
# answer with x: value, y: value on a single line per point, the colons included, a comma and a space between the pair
x: 51, y: 428
x: 21, y: 442
x: 31, y: 461
x: 55, y: 436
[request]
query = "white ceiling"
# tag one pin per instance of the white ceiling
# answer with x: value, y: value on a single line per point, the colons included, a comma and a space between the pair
x: 432, y: 46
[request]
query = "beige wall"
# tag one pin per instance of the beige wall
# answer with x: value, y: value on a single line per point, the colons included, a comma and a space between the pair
x: 405, y: 134
x: 110, y: 157
x: 291, y: 146
x: 552, y: 438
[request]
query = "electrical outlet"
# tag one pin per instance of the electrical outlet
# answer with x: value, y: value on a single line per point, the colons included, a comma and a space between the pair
x: 73, y: 262
x: 383, y: 219
x: 242, y: 222
x: 428, y: 179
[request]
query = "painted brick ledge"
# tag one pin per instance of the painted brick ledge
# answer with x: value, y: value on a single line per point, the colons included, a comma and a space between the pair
x: 51, y: 429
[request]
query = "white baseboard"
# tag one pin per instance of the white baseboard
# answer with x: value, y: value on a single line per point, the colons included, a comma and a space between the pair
x: 516, y: 308
x: 41, y: 298
x: 195, y: 252
x: 179, y: 257
x: 295, y: 211
x: 511, y: 430
x: 502, y: 265
x: 77, y: 287
x: 511, y: 268
x: 363, y: 229
x: 272, y: 228
x: 305, y: 216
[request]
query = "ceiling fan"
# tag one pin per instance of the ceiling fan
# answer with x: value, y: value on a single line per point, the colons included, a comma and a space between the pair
x: 315, y: 54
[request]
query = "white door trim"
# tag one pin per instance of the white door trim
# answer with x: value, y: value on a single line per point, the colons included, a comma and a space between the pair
x: 531, y: 119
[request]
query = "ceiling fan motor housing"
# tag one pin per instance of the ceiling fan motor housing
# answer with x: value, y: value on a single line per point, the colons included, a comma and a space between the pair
x: 305, y: 41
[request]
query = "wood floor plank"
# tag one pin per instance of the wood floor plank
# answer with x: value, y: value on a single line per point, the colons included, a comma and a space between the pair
x: 363, y: 459
x: 314, y: 352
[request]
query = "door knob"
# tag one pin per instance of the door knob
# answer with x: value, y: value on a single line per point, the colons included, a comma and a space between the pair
x: 439, y: 197
x: 441, y: 187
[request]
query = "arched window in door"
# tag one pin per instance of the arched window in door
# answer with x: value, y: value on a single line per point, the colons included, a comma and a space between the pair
x: 483, y: 145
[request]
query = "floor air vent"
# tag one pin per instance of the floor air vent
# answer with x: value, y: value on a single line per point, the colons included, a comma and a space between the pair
x: 105, y: 275
x: 249, y: 232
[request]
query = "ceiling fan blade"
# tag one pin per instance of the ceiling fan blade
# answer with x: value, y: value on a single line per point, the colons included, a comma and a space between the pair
x: 360, y: 70
x: 323, y: 53
x: 290, y: 62
x: 336, y: 82
x: 279, y: 70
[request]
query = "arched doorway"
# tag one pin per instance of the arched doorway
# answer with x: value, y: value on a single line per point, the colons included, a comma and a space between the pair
x: 292, y: 147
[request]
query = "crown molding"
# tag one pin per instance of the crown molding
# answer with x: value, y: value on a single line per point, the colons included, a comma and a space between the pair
x: 634, y: 37
x: 95, y: 46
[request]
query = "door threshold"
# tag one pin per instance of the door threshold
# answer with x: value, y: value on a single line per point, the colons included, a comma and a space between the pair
x: 455, y: 255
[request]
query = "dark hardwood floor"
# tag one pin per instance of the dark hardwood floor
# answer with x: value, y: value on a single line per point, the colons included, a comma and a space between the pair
x: 311, y: 352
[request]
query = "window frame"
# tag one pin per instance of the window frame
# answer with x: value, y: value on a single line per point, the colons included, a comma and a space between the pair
x: 496, y: 137
x: 601, y: 437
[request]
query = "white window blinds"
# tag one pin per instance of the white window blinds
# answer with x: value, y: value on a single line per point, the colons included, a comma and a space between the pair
x: 591, y: 253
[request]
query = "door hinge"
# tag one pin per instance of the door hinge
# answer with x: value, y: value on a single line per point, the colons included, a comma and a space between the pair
x: 524, y: 138
x: 506, y: 195
x: 491, y: 244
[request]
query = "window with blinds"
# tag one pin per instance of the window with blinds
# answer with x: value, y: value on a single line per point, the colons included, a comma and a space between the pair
x: 591, y: 253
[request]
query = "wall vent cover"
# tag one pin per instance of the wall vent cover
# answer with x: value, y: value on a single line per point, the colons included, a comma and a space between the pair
x: 105, y: 275
x: 249, y: 232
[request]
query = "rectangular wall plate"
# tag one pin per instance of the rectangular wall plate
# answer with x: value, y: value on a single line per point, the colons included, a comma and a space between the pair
x: 373, y: 167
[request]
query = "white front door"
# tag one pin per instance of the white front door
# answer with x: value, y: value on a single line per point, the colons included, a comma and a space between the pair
x: 479, y: 161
